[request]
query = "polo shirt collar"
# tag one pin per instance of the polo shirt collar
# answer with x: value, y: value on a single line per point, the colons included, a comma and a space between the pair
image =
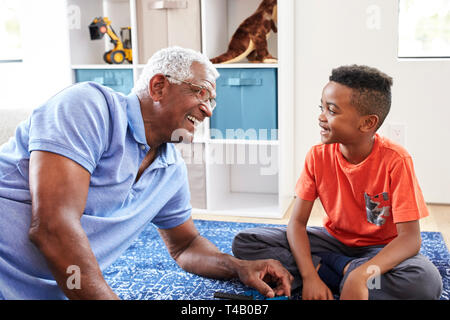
x: 136, y: 123
x: 167, y: 153
x: 135, y: 120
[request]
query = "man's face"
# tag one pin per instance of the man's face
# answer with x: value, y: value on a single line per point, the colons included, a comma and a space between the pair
x: 339, y: 120
x: 185, y: 109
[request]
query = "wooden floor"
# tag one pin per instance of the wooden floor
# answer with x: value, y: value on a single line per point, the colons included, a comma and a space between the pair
x: 438, y: 220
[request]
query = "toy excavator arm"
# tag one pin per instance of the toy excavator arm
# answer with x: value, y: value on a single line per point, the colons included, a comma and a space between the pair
x: 100, y: 26
x: 114, y: 38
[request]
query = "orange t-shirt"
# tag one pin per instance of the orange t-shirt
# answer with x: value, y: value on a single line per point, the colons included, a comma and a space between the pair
x: 363, y: 202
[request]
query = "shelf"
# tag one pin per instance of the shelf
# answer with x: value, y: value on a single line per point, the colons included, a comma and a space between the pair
x: 245, y: 142
x: 235, y: 65
x: 198, y: 140
x: 246, y: 65
x: 102, y: 66
x: 247, y: 205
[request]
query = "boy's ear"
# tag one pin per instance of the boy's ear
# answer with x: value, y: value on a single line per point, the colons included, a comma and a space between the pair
x: 157, y: 86
x: 369, y: 122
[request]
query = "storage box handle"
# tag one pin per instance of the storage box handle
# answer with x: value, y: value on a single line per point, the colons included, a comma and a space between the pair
x: 243, y: 82
x: 167, y: 4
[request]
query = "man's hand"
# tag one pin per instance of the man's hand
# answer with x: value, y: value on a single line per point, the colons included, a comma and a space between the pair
x: 259, y: 274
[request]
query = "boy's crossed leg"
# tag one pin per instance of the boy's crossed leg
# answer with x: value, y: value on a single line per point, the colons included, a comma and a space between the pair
x: 414, y: 278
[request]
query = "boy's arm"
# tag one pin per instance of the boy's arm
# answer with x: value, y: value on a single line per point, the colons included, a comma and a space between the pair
x: 313, y: 286
x: 405, y: 245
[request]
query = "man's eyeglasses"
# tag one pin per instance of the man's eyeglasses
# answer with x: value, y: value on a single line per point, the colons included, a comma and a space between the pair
x: 201, y: 92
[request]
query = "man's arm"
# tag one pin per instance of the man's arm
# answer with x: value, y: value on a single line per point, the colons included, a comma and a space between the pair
x: 59, y: 189
x: 195, y: 254
x: 405, y: 245
x: 313, y: 287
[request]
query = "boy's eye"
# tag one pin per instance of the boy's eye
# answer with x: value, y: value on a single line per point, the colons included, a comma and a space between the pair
x: 329, y: 110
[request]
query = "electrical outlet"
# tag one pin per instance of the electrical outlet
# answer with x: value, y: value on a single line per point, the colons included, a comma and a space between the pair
x: 397, y: 133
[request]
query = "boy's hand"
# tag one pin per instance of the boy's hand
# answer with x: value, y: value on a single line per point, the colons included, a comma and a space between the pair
x: 355, y: 287
x: 315, y: 289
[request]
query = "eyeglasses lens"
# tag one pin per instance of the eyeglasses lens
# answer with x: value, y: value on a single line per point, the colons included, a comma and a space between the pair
x: 204, y: 95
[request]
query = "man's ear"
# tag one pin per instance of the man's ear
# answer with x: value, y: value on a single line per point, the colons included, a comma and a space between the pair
x: 369, y: 123
x: 157, y: 86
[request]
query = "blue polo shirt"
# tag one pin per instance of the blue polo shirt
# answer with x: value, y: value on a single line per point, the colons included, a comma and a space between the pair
x: 102, y: 131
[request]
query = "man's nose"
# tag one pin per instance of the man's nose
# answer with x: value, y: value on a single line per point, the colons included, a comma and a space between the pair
x: 206, y: 108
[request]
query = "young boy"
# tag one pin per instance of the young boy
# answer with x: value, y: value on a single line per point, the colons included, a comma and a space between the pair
x: 369, y: 245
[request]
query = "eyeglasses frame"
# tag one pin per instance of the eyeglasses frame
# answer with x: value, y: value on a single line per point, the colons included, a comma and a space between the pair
x: 212, y: 101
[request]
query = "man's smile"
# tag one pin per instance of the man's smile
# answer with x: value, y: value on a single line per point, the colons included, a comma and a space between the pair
x: 195, y: 122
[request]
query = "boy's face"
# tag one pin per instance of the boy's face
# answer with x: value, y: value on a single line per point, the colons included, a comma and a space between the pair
x: 339, y: 119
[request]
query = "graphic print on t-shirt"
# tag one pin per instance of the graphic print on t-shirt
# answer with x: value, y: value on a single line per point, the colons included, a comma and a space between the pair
x: 377, y: 208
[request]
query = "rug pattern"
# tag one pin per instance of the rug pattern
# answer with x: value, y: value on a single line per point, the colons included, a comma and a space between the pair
x: 145, y: 271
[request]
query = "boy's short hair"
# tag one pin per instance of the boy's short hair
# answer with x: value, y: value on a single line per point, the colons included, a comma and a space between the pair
x: 371, y: 89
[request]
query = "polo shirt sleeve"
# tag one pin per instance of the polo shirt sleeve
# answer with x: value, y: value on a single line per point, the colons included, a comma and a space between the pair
x: 74, y: 124
x: 178, y: 209
x: 407, y: 201
x: 306, y: 185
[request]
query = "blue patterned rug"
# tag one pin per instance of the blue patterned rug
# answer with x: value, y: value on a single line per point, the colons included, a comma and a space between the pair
x: 147, y: 272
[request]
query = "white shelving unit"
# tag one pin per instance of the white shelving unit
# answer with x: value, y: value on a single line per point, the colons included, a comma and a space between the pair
x: 251, y: 189
x: 241, y: 187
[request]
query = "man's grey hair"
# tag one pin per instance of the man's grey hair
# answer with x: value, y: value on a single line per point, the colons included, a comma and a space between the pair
x: 173, y: 61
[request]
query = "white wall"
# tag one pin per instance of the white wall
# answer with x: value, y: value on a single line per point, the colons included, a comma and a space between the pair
x: 45, y: 69
x: 330, y: 33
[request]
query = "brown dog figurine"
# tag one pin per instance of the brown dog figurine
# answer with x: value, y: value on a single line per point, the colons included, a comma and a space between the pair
x: 250, y: 39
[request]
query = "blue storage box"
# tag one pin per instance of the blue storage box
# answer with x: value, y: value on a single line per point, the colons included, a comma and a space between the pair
x: 246, y: 100
x: 118, y: 79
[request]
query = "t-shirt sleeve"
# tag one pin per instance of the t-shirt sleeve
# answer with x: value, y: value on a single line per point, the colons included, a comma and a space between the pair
x: 306, y: 185
x: 178, y: 209
x: 74, y: 124
x: 407, y: 202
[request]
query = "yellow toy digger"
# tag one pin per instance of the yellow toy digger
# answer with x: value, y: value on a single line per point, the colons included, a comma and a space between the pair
x: 122, y: 48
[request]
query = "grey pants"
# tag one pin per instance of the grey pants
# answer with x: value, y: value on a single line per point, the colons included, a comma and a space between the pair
x: 414, y: 278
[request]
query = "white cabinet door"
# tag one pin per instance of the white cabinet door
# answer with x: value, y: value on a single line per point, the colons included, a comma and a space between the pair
x: 164, y: 23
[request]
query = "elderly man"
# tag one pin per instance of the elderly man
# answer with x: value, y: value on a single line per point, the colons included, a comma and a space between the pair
x: 88, y: 170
